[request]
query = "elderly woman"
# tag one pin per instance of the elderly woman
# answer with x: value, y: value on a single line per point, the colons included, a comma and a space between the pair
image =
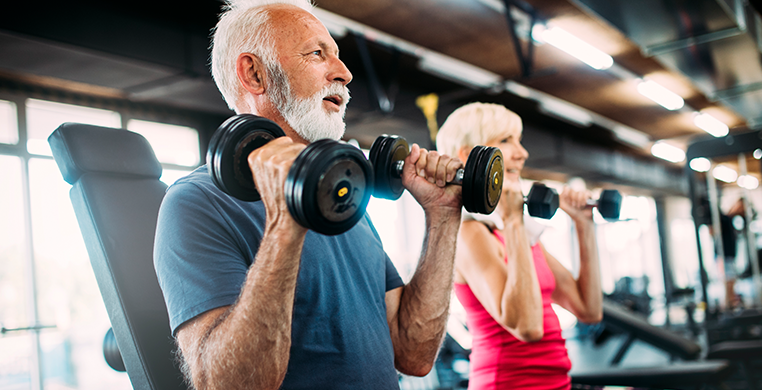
x: 505, y: 278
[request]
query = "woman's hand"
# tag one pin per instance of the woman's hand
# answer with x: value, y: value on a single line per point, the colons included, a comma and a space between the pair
x: 574, y: 203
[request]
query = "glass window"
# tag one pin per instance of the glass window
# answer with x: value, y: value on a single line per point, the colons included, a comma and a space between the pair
x: 630, y: 255
x: 16, y: 359
x: 44, y: 117
x: 401, y: 225
x: 172, y: 144
x: 169, y: 176
x: 67, y: 295
x: 9, y: 130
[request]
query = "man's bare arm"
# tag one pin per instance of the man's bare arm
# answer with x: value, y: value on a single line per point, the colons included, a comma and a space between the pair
x: 246, y: 345
x: 417, y: 313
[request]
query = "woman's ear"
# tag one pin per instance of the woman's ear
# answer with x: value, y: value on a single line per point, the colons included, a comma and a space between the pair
x: 250, y: 71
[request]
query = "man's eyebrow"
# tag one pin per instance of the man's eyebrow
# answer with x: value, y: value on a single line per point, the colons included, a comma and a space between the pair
x: 324, y: 45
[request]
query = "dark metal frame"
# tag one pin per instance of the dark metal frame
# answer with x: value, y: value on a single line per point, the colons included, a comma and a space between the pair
x: 711, y: 148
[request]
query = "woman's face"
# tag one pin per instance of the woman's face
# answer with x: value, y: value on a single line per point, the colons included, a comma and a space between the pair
x: 514, y: 155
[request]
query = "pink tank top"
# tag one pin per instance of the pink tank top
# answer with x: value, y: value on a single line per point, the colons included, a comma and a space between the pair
x: 501, y: 361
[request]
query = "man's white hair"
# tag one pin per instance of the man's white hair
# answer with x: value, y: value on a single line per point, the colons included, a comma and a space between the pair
x: 243, y: 28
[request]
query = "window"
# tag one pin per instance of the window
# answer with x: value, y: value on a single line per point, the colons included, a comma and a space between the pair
x: 401, y: 225
x: 44, y: 266
x: 175, y: 145
x: 67, y: 292
x: 17, y: 359
x: 172, y: 144
x: 9, y: 133
x: 44, y: 117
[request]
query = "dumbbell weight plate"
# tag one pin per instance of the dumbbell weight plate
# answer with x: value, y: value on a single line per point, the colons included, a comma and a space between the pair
x: 542, y: 201
x: 328, y: 187
x: 610, y: 204
x: 384, y: 154
x: 483, y: 179
x: 229, y: 149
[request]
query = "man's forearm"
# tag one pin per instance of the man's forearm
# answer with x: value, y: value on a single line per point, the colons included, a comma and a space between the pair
x: 249, y: 346
x: 425, y: 299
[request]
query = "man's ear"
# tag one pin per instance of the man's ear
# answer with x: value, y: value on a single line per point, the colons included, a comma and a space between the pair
x: 250, y: 71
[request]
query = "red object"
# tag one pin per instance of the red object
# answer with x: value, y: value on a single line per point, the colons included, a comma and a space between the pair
x: 501, y: 361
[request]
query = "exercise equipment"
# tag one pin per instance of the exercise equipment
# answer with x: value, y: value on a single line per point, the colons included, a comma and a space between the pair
x: 482, y: 178
x: 111, y: 352
x: 689, y: 373
x: 327, y: 188
x: 115, y: 194
x: 542, y: 202
x: 739, y: 147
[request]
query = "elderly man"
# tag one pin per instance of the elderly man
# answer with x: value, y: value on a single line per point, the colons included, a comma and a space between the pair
x: 255, y: 300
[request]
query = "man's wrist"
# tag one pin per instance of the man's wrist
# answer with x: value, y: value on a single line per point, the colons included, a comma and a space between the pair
x: 285, y: 227
x: 443, y: 214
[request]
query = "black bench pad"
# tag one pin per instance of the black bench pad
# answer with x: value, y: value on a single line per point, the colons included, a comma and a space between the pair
x: 672, y: 375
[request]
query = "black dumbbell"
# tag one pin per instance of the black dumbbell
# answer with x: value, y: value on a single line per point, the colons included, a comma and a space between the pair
x: 327, y: 188
x: 542, y: 202
x: 482, y: 178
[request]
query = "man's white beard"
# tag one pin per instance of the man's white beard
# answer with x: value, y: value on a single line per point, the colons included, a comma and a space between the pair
x: 307, y: 116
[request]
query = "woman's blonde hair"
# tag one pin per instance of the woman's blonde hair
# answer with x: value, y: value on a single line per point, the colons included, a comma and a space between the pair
x: 475, y: 124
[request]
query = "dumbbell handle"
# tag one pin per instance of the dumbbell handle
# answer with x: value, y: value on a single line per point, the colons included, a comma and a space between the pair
x: 457, y: 180
x: 590, y: 202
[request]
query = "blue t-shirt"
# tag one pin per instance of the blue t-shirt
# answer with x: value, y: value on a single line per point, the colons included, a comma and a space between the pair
x: 205, y: 243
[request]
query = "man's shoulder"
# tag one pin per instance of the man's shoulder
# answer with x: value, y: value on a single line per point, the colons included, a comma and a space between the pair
x: 199, y: 178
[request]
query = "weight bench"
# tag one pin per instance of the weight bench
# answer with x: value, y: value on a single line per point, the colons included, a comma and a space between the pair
x: 116, y: 195
x: 677, y: 375
x: 741, y: 351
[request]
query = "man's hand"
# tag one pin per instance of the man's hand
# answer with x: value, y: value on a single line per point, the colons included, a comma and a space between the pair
x: 425, y: 176
x: 574, y: 203
x: 269, y: 165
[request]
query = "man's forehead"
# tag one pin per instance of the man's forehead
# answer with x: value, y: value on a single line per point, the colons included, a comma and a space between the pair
x: 300, y: 27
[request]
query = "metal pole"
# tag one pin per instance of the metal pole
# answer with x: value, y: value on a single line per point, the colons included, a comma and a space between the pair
x: 751, y: 240
x: 714, y: 208
x: 703, y: 279
x: 30, y: 271
x: 664, y: 240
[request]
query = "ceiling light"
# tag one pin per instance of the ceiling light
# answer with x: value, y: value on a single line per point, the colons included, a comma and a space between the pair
x: 631, y: 136
x: 667, y: 152
x: 700, y: 164
x: 574, y: 46
x: 748, y: 182
x: 457, y: 71
x: 710, y: 124
x: 723, y: 173
x: 757, y: 154
x: 566, y: 111
x: 659, y: 94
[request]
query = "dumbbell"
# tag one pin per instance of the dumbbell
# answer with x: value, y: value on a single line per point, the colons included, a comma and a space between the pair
x: 542, y: 202
x: 482, y: 178
x: 327, y: 188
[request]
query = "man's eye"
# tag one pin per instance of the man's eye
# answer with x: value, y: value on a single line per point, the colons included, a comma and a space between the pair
x: 316, y: 52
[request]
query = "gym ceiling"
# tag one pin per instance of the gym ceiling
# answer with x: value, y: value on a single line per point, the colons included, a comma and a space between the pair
x: 580, y: 121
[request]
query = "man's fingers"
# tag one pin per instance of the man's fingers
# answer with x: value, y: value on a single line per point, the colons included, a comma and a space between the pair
x: 452, y: 168
x: 421, y: 163
x: 431, y: 167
